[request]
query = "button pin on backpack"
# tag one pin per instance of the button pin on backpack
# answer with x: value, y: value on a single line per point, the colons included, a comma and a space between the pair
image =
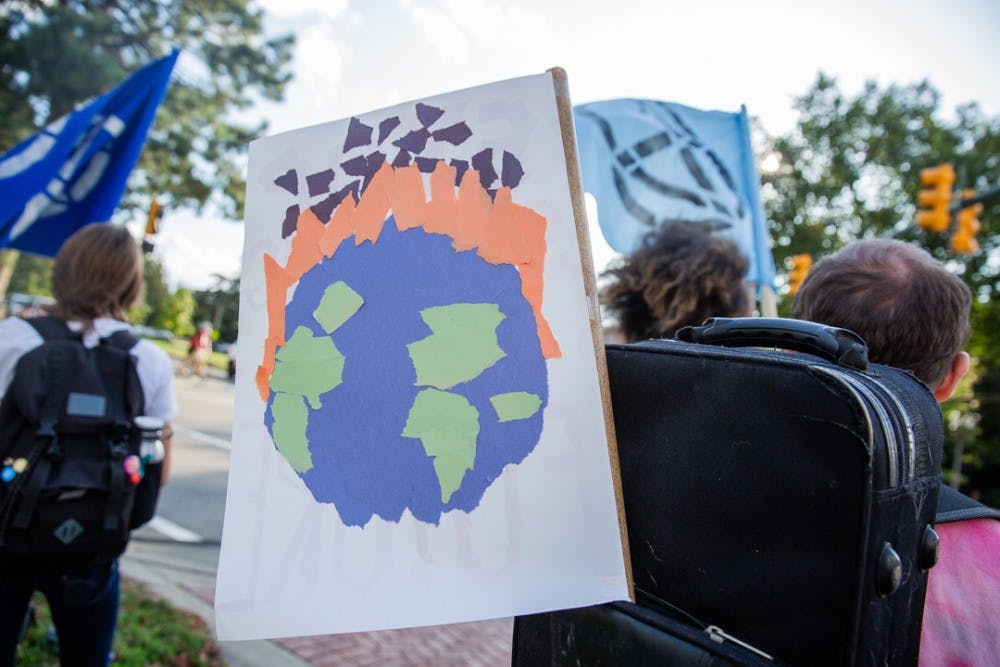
x: 68, y: 530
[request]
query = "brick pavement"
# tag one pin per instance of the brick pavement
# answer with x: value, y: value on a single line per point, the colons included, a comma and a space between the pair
x: 480, y: 644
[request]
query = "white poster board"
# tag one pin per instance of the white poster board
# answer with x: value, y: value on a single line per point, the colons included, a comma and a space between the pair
x: 420, y: 434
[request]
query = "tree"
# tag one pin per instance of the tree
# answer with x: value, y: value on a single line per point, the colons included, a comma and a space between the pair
x: 178, y: 314
x: 220, y: 307
x: 54, y: 55
x: 850, y: 169
x: 33, y: 276
x: 156, y: 296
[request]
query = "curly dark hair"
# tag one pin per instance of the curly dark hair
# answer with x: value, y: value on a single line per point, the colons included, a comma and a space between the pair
x: 681, y: 275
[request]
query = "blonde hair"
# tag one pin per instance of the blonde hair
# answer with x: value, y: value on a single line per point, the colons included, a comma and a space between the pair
x: 97, y: 273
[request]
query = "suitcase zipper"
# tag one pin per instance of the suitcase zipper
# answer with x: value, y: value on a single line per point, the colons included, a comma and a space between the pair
x: 717, y: 635
x: 857, y: 387
x: 911, y: 440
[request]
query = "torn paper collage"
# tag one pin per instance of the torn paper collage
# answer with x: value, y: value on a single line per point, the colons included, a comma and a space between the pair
x: 420, y: 437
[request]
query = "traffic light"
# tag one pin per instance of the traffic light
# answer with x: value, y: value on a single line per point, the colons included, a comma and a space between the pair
x: 800, y: 267
x: 935, y: 198
x: 152, y: 225
x: 964, y: 237
x: 153, y: 220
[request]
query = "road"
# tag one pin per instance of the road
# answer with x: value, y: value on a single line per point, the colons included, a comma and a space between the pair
x: 188, y: 525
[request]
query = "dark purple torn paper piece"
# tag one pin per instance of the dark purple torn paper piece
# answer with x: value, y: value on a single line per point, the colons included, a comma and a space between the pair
x: 289, y: 182
x: 414, y: 142
x: 358, y: 134
x: 319, y: 183
x: 428, y: 115
x: 364, y: 166
x: 324, y: 209
x: 402, y: 159
x: 483, y: 163
x: 427, y: 164
x: 512, y: 170
x: 291, y: 220
x: 386, y: 127
x: 461, y: 166
x: 454, y: 134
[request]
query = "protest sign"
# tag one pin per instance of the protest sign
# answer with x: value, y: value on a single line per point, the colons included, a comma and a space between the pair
x: 422, y: 433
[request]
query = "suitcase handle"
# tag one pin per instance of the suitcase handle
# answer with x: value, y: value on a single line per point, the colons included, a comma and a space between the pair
x: 838, y: 345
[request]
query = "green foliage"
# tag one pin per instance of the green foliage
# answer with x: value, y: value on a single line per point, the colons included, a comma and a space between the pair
x: 849, y: 170
x: 178, y: 313
x: 851, y: 167
x: 220, y: 307
x: 157, y: 295
x: 55, y: 55
x: 32, y: 275
x: 149, y: 632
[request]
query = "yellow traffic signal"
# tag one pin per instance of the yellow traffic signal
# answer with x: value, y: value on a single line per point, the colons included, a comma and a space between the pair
x: 155, y: 215
x: 964, y: 237
x: 935, y: 198
x: 800, y: 267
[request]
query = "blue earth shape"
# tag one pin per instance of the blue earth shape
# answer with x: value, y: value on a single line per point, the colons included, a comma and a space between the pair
x: 361, y: 463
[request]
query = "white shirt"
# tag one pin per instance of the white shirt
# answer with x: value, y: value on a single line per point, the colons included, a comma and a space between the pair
x: 153, y: 365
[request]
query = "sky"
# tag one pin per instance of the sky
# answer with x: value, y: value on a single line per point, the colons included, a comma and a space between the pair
x: 354, y: 56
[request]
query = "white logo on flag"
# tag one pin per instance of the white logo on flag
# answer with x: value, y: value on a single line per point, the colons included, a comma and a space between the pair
x: 55, y: 199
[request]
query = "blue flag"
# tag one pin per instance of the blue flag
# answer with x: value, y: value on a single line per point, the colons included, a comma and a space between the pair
x: 647, y: 163
x: 73, y: 172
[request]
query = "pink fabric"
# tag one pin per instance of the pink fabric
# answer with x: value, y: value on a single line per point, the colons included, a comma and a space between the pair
x: 962, y: 613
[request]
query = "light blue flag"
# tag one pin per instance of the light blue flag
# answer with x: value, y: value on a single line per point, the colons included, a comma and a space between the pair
x: 73, y: 172
x: 648, y: 162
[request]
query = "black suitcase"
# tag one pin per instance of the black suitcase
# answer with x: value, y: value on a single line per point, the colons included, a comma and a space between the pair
x: 785, y: 497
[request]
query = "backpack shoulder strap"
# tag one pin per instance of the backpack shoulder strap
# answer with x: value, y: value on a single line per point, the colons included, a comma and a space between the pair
x: 954, y: 506
x: 122, y: 339
x: 52, y: 328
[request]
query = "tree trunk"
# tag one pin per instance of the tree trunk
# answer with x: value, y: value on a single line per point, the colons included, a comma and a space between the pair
x: 8, y: 261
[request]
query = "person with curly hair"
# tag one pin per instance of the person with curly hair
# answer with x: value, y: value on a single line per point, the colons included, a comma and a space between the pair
x: 679, y: 276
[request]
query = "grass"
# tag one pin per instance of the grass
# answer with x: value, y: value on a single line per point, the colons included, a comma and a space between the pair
x: 150, y: 632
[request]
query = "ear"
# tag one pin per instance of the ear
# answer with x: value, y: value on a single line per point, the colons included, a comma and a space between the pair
x: 959, y: 367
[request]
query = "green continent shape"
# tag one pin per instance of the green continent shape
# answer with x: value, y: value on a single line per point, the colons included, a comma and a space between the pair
x: 308, y: 366
x: 338, y: 304
x: 291, y: 416
x: 463, y: 344
x: 515, y: 405
x: 447, y: 426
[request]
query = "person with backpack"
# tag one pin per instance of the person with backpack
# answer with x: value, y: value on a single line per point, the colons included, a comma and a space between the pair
x: 77, y: 472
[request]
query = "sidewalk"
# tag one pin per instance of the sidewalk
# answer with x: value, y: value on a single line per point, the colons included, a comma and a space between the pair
x: 482, y: 644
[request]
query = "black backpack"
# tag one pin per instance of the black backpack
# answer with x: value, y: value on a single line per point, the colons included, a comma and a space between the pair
x: 72, y: 483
